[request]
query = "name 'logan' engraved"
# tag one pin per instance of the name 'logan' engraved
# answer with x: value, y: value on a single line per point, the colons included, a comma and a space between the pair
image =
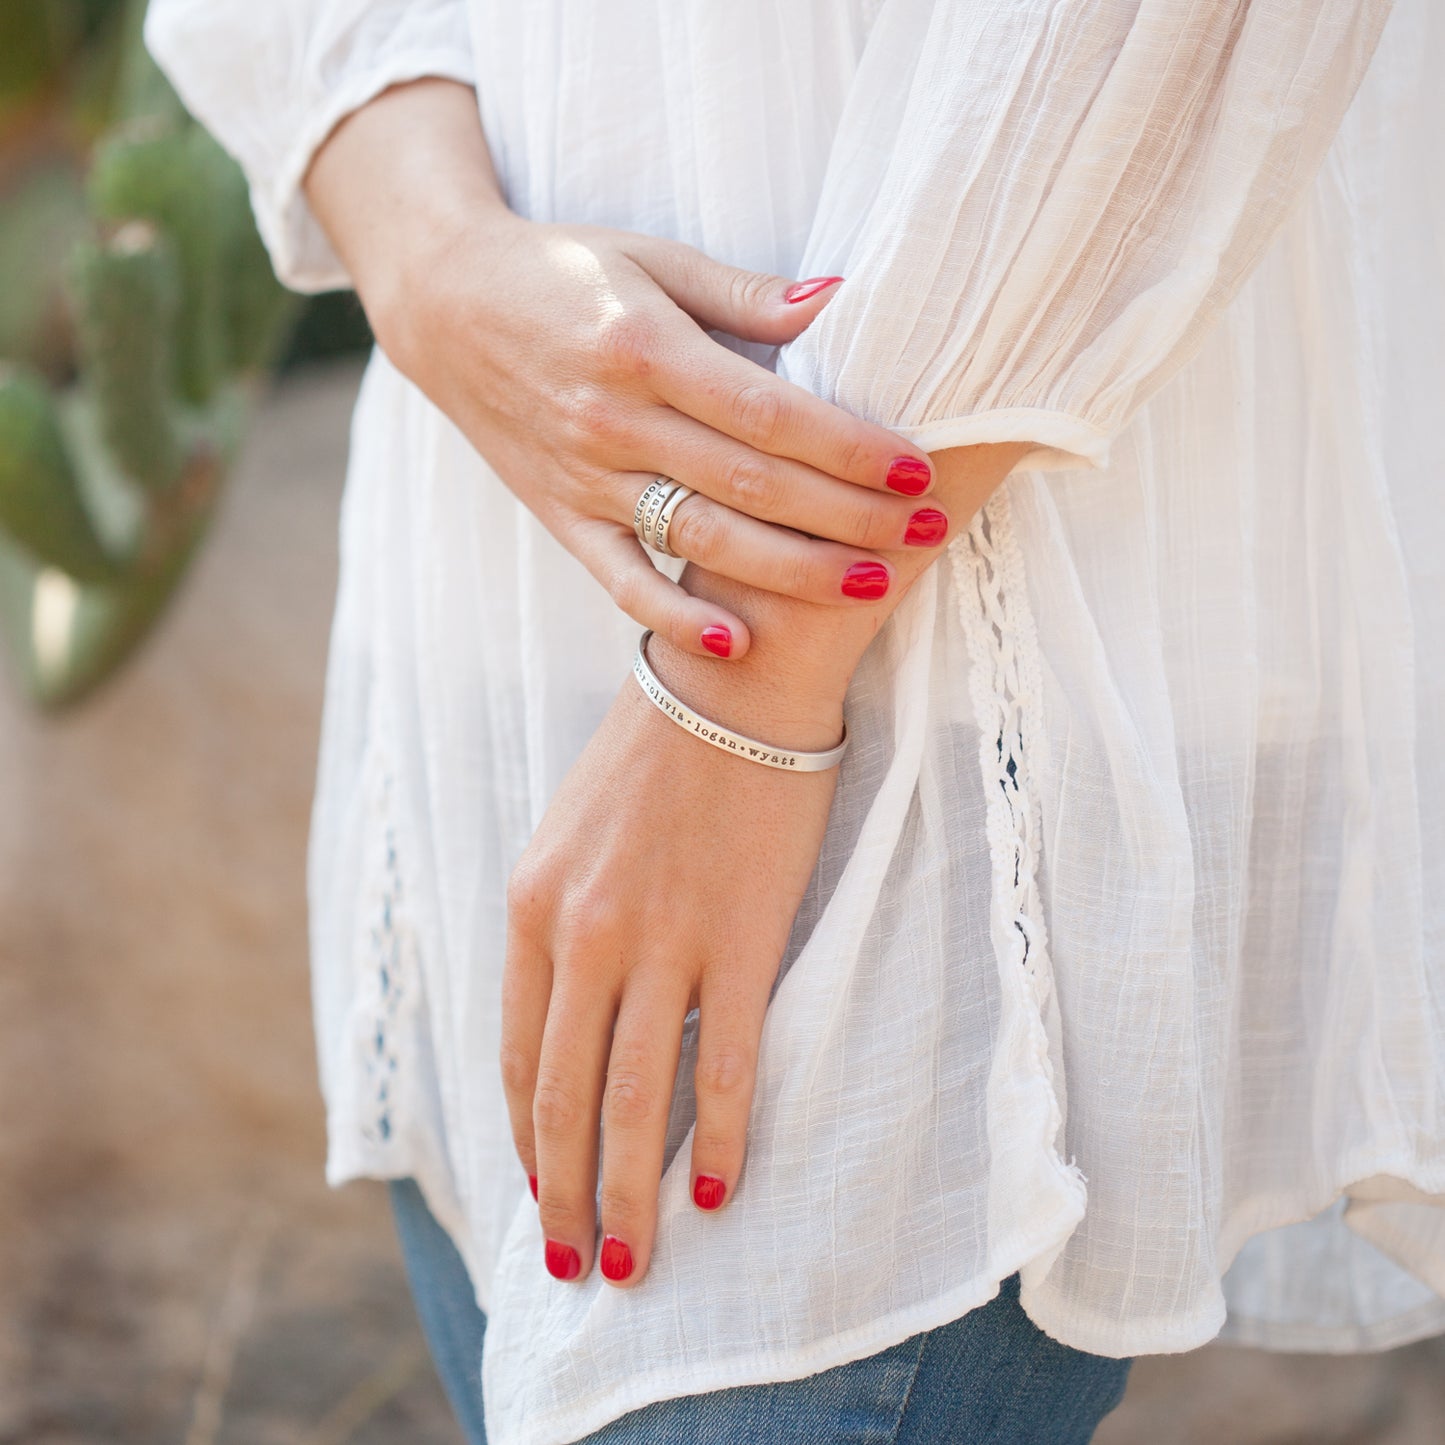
x: 721, y: 737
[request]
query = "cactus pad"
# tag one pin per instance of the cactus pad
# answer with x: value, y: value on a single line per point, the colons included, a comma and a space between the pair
x: 41, y: 504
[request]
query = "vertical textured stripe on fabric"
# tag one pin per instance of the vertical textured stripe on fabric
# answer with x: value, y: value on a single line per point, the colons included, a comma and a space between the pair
x: 1005, y: 690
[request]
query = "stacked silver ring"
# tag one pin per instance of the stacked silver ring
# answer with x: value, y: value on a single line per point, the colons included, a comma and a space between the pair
x: 656, y: 507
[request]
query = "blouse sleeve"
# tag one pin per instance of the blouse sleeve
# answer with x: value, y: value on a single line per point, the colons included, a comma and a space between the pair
x: 1040, y: 206
x: 271, y: 78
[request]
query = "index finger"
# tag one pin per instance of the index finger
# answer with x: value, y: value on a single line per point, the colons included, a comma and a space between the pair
x: 743, y: 400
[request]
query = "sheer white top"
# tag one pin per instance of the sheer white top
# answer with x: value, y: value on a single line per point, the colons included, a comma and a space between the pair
x: 1124, y: 963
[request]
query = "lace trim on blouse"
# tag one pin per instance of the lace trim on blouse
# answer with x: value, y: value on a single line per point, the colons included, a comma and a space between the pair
x: 991, y: 587
x: 388, y: 984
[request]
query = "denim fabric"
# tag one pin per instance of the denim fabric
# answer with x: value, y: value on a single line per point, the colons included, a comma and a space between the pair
x: 990, y: 1378
x: 445, y: 1304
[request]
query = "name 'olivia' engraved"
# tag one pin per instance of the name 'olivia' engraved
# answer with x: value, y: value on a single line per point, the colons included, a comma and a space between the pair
x: 721, y: 737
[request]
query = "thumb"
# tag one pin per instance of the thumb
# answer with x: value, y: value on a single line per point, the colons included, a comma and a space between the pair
x: 750, y: 305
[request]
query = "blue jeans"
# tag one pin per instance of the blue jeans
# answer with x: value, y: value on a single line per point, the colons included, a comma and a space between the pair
x: 990, y: 1378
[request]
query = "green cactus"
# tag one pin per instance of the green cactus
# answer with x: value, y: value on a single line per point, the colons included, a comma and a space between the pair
x: 107, y: 488
x: 43, y: 213
x: 41, y: 504
x: 259, y: 311
x: 126, y: 292
x: 171, y: 176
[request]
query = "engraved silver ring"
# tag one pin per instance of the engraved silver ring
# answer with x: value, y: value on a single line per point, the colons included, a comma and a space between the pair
x: 652, y: 516
x: 663, y: 525
x: 653, y: 495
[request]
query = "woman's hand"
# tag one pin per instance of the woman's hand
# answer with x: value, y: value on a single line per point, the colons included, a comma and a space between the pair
x: 665, y: 876
x: 575, y: 359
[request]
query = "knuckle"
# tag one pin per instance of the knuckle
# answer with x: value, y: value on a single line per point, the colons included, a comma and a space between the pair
x: 747, y: 290
x: 557, y: 1107
x: 697, y: 531
x: 724, y: 1073
x: 627, y: 345
x: 759, y: 412
x: 712, y: 1148
x: 588, y: 409
x: 560, y: 1220
x: 518, y: 1067
x: 799, y: 572
x: 588, y: 914
x: 752, y: 486
x: 624, y: 587
x: 632, y: 1098
x: 854, y: 457
x: 622, y: 1212
x: 863, y: 522
x: 681, y: 626
x: 526, y: 892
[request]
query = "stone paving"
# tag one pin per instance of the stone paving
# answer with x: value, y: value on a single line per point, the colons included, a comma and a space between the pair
x: 172, y: 1265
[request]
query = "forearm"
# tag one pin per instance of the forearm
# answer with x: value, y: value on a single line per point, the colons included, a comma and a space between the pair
x: 789, y: 688
x: 398, y: 181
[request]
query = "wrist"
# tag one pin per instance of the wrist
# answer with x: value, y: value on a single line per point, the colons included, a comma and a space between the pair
x: 788, y: 689
x: 792, y: 680
x: 399, y: 186
x: 410, y: 293
x: 742, y: 745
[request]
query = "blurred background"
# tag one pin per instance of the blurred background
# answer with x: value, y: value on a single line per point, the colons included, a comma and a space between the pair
x: 172, y: 443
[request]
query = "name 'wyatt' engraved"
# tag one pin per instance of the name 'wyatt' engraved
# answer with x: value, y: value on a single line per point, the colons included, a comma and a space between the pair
x: 721, y: 737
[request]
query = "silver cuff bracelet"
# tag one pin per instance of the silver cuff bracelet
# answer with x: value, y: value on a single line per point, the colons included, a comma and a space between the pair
x: 721, y: 737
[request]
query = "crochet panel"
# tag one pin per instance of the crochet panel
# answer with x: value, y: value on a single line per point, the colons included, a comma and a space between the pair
x: 1004, y: 684
x: 387, y: 987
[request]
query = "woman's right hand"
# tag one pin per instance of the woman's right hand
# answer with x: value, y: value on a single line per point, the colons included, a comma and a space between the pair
x: 575, y: 359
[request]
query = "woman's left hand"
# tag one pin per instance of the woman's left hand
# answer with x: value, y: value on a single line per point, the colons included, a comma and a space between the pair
x: 665, y: 876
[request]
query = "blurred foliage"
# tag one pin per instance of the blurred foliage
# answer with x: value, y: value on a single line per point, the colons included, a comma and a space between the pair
x: 137, y: 309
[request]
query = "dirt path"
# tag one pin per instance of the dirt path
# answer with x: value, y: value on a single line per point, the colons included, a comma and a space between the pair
x: 172, y: 1266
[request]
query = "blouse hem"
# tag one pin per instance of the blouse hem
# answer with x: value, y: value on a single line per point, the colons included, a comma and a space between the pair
x: 1256, y: 1333
x: 561, y: 1427
x: 354, y: 1162
x: 1235, y: 1328
x: 1263, y: 1212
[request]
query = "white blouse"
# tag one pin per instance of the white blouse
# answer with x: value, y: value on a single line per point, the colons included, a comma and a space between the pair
x: 1124, y: 961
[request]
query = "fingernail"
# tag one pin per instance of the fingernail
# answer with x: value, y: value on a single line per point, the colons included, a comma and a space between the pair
x: 717, y: 640
x: 616, y: 1258
x: 909, y: 476
x: 926, y: 528
x: 806, y: 290
x: 532, y: 1180
x: 707, y: 1192
x: 866, y: 579
x: 563, y: 1262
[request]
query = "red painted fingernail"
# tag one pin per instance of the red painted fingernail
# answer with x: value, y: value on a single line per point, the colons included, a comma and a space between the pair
x: 616, y: 1258
x: 532, y: 1180
x: 926, y: 528
x: 806, y: 290
x: 868, y: 580
x: 717, y: 640
x: 707, y: 1192
x: 909, y: 476
x: 563, y: 1262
